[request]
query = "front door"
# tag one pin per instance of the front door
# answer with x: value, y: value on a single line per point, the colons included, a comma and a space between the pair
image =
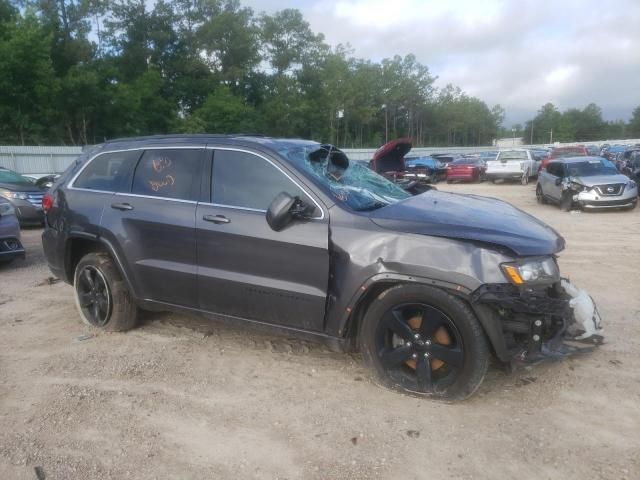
x: 152, y: 226
x: 247, y: 270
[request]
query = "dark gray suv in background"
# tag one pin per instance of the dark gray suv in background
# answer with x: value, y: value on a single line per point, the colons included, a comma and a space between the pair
x: 290, y: 234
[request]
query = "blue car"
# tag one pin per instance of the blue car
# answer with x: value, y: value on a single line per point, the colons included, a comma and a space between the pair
x: 426, y: 167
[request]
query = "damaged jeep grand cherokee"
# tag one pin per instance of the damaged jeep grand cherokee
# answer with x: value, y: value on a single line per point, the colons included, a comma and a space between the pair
x: 292, y: 235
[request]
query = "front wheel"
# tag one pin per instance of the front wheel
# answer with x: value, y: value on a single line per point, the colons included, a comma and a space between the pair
x: 566, y: 202
x: 102, y: 297
x: 425, y: 342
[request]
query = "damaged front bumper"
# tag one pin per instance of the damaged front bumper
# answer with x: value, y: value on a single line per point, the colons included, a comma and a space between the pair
x: 527, y: 325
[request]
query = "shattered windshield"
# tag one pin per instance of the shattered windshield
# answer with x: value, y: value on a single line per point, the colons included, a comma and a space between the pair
x: 349, y: 182
x: 591, y: 168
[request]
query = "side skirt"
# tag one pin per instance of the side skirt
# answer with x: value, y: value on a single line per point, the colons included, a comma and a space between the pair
x: 335, y: 344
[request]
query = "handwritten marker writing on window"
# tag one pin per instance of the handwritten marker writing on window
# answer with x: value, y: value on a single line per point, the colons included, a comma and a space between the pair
x: 159, y: 164
x: 155, y: 185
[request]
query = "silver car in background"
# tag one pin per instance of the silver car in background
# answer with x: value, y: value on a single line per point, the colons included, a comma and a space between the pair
x: 10, y: 242
x: 586, y: 182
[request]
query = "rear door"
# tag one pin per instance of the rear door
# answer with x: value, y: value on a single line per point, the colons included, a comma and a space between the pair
x: 247, y: 270
x: 152, y: 225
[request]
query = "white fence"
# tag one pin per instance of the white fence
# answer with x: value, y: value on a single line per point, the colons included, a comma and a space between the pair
x: 44, y: 160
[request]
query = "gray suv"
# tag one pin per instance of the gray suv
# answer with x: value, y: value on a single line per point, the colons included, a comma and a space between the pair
x: 590, y: 183
x: 292, y: 235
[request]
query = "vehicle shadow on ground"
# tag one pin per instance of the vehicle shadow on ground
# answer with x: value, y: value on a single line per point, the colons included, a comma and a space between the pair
x: 228, y: 334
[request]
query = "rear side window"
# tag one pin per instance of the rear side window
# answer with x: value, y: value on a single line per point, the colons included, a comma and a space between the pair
x: 168, y: 173
x: 110, y: 172
x: 245, y: 180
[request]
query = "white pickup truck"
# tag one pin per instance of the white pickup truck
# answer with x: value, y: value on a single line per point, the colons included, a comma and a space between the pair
x: 516, y: 164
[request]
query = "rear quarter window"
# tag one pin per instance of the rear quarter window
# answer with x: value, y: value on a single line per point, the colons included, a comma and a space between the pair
x: 110, y: 172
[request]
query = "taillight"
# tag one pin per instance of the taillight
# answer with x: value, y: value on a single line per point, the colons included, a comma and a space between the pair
x: 47, y: 202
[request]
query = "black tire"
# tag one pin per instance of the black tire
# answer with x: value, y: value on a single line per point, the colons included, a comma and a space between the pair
x: 101, y: 295
x: 540, y: 196
x: 466, y: 351
x: 566, y: 202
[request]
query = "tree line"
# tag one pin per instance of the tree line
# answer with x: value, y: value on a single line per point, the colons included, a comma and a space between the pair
x: 574, y: 125
x: 78, y: 72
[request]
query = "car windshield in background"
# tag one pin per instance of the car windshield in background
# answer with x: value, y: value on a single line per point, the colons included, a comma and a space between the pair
x: 356, y: 185
x: 504, y: 156
x: 590, y: 168
x: 7, y: 176
x: 568, y: 153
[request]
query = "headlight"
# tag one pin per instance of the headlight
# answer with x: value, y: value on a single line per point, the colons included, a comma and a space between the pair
x: 6, y: 209
x: 534, y: 271
x: 631, y: 185
x: 16, y: 195
x: 578, y: 187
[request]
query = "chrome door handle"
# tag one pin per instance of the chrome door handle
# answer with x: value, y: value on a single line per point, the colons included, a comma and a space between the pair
x: 216, y: 219
x: 122, y: 206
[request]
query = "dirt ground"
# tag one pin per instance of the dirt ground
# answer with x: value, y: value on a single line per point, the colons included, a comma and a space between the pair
x: 181, y: 398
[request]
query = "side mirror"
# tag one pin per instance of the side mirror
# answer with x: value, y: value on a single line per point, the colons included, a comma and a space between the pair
x: 284, y: 209
x: 558, y: 181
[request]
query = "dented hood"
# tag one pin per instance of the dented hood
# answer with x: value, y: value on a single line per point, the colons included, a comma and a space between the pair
x: 470, y: 217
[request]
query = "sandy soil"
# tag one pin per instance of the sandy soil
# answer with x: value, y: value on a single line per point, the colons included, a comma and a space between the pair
x: 181, y: 398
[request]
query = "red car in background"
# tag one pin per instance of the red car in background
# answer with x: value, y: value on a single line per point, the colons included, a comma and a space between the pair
x: 466, y: 169
x: 561, y: 152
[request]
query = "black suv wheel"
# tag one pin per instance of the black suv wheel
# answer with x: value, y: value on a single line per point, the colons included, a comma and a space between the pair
x: 424, y: 341
x: 102, y: 297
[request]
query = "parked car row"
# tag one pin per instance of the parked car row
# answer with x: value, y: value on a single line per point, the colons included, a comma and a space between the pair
x: 393, y: 162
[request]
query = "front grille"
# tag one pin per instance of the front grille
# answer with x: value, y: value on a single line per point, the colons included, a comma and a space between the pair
x: 610, y: 189
x: 10, y: 245
x: 35, y: 199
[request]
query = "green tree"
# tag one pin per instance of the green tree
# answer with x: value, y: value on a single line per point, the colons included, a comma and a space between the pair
x: 28, y: 85
x: 634, y: 124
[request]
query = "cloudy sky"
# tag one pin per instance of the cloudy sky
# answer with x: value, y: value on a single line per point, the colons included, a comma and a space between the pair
x: 519, y: 53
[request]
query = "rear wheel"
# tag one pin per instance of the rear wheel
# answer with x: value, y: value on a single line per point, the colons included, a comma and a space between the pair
x: 425, y: 342
x: 102, y: 297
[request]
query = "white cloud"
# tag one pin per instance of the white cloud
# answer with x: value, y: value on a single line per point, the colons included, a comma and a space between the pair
x: 519, y: 53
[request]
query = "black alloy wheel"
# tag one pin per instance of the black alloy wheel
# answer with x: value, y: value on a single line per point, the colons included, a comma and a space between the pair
x: 420, y: 347
x: 102, y: 297
x: 424, y: 341
x: 94, y: 296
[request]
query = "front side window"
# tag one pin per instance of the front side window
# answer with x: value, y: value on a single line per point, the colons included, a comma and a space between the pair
x: 168, y: 173
x: 109, y: 172
x: 241, y: 179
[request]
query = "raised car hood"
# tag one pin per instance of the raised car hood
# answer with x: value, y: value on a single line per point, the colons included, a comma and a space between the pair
x: 470, y: 217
